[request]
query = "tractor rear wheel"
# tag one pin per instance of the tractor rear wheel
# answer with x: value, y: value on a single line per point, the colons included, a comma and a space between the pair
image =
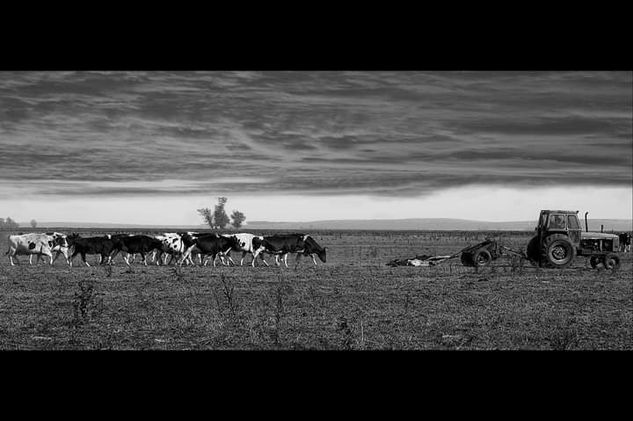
x: 557, y: 251
x: 611, y: 261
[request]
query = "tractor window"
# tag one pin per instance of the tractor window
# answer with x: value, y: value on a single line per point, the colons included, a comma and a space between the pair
x: 557, y: 222
x: 572, y: 222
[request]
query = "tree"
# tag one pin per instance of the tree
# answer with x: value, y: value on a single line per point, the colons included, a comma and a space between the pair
x: 10, y: 224
x: 238, y: 218
x: 218, y: 219
x: 33, y: 223
x: 207, y: 216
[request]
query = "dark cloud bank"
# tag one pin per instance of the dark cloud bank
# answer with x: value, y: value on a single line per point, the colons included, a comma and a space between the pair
x: 383, y: 133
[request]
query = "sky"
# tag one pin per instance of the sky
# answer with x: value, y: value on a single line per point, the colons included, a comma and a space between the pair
x: 151, y: 147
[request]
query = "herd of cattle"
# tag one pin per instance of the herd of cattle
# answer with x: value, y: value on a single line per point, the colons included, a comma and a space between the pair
x: 182, y: 246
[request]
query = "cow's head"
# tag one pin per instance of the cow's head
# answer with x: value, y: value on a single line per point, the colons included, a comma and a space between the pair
x: 60, y: 240
x: 234, y: 242
x: 321, y: 254
x: 187, y: 239
x: 72, y: 238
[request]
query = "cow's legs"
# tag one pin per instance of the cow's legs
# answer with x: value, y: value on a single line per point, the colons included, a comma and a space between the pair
x: 313, y: 259
x: 57, y: 253
x: 12, y: 254
x: 37, y: 261
x: 255, y: 254
x: 114, y: 254
x: 157, y: 257
x: 83, y: 257
x: 186, y: 255
x: 297, y: 260
x: 71, y: 258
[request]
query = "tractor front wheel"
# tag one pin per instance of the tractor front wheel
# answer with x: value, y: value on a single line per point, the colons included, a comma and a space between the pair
x: 611, y: 261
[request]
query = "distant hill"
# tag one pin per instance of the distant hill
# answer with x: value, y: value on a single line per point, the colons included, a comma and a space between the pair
x: 431, y: 224
x: 414, y: 224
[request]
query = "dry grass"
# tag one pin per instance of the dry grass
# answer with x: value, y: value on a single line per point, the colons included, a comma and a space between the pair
x: 354, y: 302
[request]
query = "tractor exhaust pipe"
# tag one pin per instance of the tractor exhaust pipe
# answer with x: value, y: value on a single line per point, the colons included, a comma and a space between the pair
x: 586, y: 224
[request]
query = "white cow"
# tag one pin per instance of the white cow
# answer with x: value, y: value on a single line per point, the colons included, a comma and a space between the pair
x: 245, y: 242
x: 39, y: 244
x: 172, y: 246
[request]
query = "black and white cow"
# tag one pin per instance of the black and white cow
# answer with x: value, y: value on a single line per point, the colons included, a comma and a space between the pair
x: 142, y: 244
x: 625, y: 241
x: 102, y: 246
x: 115, y: 239
x: 245, y: 245
x: 207, y: 245
x: 282, y: 245
x: 39, y: 244
x: 172, y: 246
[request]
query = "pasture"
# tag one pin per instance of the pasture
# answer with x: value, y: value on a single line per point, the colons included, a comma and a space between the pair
x: 353, y: 302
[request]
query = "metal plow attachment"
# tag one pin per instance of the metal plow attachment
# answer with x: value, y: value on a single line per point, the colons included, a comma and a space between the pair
x: 422, y: 260
x: 477, y: 255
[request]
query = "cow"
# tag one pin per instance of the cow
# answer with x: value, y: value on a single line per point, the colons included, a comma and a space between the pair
x: 282, y: 245
x: 172, y: 245
x: 103, y: 246
x: 625, y: 241
x: 207, y: 244
x: 116, y: 237
x: 39, y: 244
x: 131, y: 245
x: 245, y: 245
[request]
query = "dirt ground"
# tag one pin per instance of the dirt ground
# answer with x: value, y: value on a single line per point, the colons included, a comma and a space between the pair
x: 352, y: 302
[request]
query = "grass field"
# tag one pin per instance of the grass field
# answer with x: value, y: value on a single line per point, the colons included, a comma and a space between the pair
x: 353, y: 302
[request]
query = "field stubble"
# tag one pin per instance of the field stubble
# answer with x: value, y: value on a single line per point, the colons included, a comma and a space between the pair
x: 354, y: 302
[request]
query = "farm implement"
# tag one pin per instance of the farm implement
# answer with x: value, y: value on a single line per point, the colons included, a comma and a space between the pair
x: 558, y: 241
x: 475, y: 256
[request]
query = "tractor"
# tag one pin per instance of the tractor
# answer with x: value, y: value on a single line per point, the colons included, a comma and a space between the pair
x: 559, y: 239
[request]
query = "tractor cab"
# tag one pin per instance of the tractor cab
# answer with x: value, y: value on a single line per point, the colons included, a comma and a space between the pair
x: 561, y: 222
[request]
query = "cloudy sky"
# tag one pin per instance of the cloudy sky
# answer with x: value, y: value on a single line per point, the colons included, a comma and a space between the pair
x: 152, y: 147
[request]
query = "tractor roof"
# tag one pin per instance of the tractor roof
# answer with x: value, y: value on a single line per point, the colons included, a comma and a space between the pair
x: 559, y: 211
